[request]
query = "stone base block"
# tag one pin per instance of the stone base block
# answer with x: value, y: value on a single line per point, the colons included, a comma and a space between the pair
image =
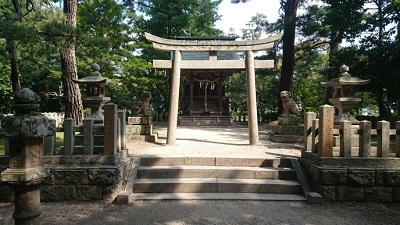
x: 314, y: 198
x: 205, y: 121
x: 289, y: 130
x: 24, y: 175
x: 139, y: 129
x: 286, y: 138
x: 137, y: 120
x: 289, y: 120
x: 122, y: 198
x: 152, y: 138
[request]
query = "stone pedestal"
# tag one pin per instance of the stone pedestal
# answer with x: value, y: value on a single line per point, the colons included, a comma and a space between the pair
x: 290, y: 129
x: 141, y: 127
x: 25, y: 132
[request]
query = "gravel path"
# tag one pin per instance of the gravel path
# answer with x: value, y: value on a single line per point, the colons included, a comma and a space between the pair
x: 230, y: 141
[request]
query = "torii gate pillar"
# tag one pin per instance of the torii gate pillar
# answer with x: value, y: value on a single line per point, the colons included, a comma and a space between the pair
x: 251, y: 99
x: 174, y: 98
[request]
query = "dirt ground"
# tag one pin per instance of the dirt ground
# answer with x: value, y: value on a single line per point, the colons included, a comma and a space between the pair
x: 213, y: 212
x: 223, y: 140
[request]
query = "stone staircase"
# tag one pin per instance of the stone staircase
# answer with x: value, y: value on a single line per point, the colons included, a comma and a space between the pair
x: 160, y: 178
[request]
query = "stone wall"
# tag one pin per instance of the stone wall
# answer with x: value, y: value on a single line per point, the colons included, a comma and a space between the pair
x: 354, y: 183
x: 75, y: 179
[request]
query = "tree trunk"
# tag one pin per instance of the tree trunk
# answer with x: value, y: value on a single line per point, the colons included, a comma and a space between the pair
x: 289, y: 32
x: 383, y: 105
x: 72, y: 95
x: 334, y: 43
x: 14, y: 63
x: 383, y: 101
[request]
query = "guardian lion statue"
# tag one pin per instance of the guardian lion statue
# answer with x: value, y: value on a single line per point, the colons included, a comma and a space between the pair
x: 290, y: 105
x: 146, y: 96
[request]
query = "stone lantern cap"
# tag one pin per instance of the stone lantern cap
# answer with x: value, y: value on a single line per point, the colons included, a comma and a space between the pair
x: 26, y: 122
x: 345, y: 79
x: 94, y: 77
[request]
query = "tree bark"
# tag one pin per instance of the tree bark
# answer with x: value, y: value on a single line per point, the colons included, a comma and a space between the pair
x: 289, y: 33
x: 72, y: 95
x: 14, y: 63
x: 334, y: 43
x: 383, y: 106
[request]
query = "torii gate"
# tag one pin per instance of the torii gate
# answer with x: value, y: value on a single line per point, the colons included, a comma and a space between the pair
x: 212, y: 46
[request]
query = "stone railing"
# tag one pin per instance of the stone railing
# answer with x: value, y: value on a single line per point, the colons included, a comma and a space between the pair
x: 91, y: 138
x: 342, y: 165
x: 325, y: 139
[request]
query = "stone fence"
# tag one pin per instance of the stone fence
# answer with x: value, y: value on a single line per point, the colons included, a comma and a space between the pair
x: 90, y: 138
x: 345, y: 139
x: 91, y: 164
x: 341, y: 163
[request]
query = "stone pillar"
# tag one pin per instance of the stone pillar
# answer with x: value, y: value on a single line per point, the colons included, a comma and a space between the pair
x: 88, y: 138
x: 122, y: 120
x: 314, y: 136
x: 365, y: 139
x: 308, y: 118
x: 174, y: 98
x: 25, y: 132
x: 383, y: 144
x: 69, y: 136
x: 325, y: 134
x: 110, y: 129
x: 251, y: 99
x: 345, y: 138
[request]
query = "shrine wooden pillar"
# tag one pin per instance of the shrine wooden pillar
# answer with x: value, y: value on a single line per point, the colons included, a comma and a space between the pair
x: 174, y: 98
x: 191, y: 98
x: 219, y: 93
x: 251, y: 98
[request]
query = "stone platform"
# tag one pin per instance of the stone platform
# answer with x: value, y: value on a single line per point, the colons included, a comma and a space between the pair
x: 289, y: 129
x: 141, y: 128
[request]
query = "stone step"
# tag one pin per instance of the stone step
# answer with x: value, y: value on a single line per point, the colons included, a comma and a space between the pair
x: 216, y: 185
x: 214, y: 161
x: 229, y: 172
x: 216, y: 196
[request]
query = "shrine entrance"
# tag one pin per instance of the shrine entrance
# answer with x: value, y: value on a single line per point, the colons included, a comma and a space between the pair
x: 203, y: 100
x: 201, y: 61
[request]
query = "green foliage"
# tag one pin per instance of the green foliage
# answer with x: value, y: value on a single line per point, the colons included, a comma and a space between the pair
x: 111, y: 33
x: 6, y: 98
x: 181, y: 17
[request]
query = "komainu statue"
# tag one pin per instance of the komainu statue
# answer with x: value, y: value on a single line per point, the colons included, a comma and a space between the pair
x: 141, y: 107
x: 290, y: 105
x: 146, y: 96
x: 136, y: 106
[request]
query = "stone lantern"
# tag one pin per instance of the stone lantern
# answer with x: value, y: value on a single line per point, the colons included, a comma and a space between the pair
x: 343, y: 94
x: 95, y: 93
x: 25, y: 132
